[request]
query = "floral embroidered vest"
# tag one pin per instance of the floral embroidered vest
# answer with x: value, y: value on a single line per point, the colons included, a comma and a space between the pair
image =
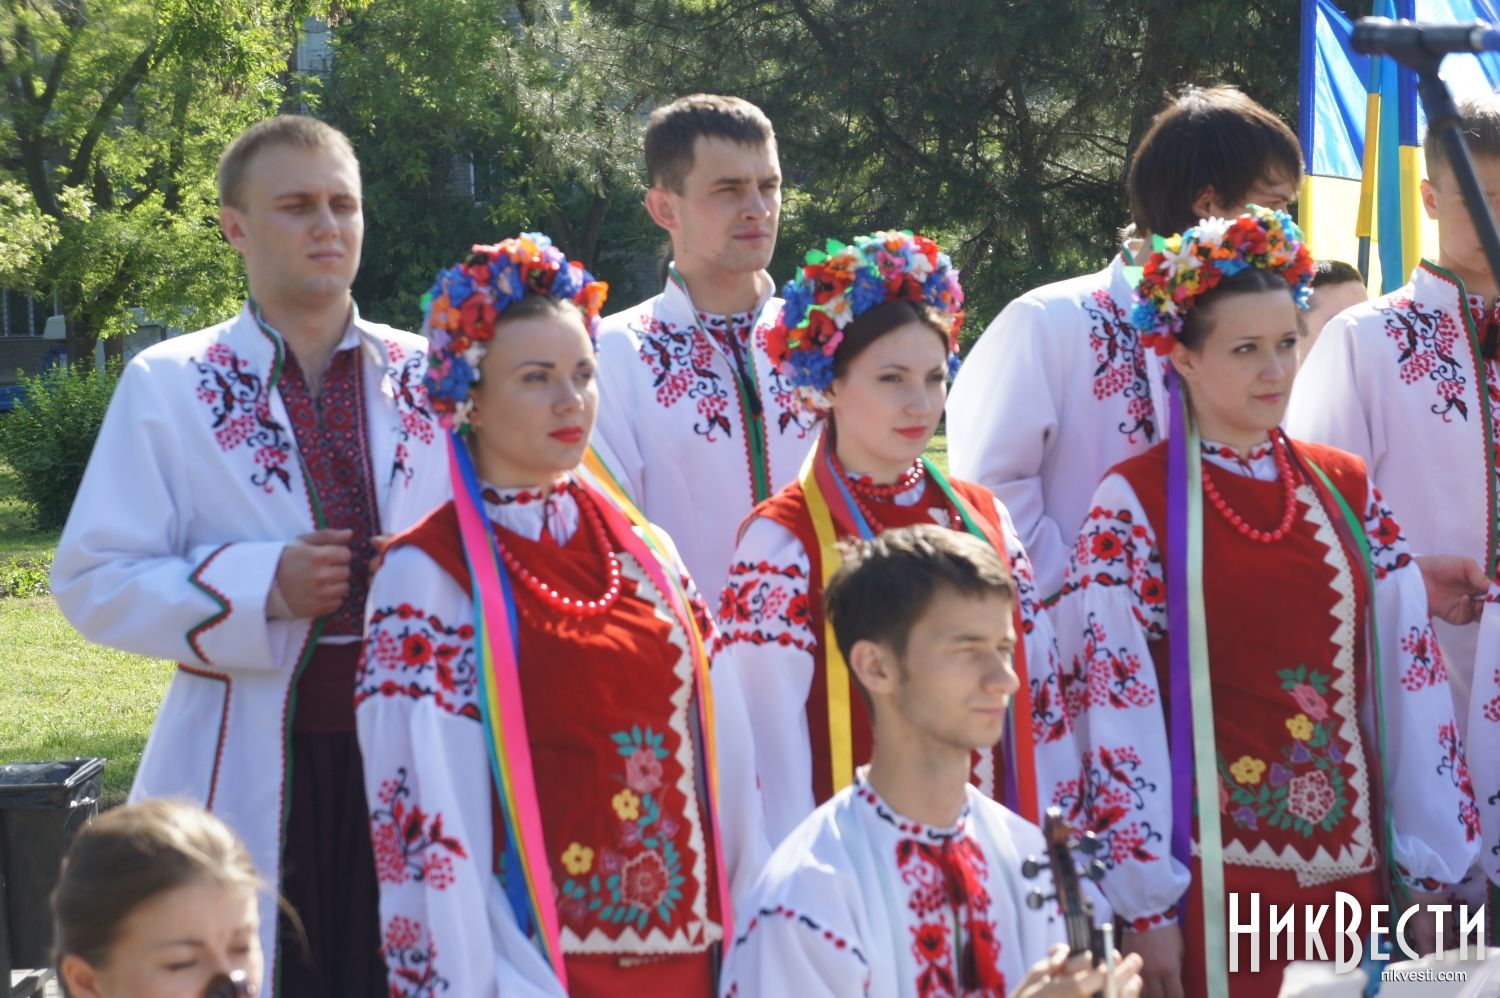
x: 1287, y: 646
x: 608, y: 703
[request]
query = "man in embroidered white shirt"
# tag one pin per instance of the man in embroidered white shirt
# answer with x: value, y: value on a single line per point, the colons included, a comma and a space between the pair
x: 226, y: 521
x: 695, y: 422
x: 908, y: 882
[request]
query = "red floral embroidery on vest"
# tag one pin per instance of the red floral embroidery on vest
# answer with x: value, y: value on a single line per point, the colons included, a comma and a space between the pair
x: 641, y: 877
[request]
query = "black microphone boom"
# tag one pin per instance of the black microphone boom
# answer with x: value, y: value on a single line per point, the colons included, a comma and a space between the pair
x: 1382, y: 36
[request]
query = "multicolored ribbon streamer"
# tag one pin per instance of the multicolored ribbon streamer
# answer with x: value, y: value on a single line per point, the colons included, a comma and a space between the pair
x: 620, y: 514
x: 1192, y: 745
x: 528, y: 877
x: 834, y: 514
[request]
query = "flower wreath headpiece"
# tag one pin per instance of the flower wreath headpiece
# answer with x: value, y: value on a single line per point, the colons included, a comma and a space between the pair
x: 1198, y: 260
x: 840, y: 283
x: 467, y: 298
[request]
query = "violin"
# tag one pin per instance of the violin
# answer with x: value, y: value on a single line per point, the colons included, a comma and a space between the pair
x: 1076, y: 907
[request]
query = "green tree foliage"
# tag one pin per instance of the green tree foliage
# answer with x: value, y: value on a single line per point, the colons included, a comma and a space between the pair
x: 1001, y: 127
x: 474, y: 121
x: 115, y: 113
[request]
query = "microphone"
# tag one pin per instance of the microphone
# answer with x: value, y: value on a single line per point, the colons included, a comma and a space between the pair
x: 1382, y: 36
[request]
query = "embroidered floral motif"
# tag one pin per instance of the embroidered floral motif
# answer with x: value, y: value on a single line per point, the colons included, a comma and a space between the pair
x: 405, y: 374
x: 1114, y: 550
x: 1427, y: 667
x: 1307, y: 789
x: 767, y: 604
x: 1110, y: 678
x: 1106, y: 800
x: 1492, y: 709
x: 642, y: 876
x: 682, y: 362
x: 409, y: 843
x: 411, y: 956
x: 945, y: 888
x: 1426, y: 341
x: 1120, y: 365
x: 1455, y: 766
x: 409, y: 652
x: 1388, y: 549
x: 241, y: 409
x: 1051, y: 721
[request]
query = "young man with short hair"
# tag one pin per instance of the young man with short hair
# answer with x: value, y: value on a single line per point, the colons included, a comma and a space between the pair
x: 1058, y: 389
x: 695, y: 423
x: 227, y: 519
x: 908, y: 882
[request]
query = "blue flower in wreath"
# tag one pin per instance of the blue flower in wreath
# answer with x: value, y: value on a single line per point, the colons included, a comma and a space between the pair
x: 505, y: 278
x: 567, y: 283
x: 868, y: 290
x: 810, y: 368
x: 954, y: 362
x: 797, y: 298
x: 457, y: 282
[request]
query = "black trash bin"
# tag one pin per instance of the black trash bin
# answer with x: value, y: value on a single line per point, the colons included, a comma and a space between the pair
x: 42, y: 806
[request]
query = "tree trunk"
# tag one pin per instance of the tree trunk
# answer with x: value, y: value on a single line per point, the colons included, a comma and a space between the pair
x: 81, y: 339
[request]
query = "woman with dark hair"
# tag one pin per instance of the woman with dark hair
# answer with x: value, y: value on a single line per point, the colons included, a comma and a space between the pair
x: 869, y: 335
x: 158, y: 900
x: 1248, y: 645
x: 532, y: 700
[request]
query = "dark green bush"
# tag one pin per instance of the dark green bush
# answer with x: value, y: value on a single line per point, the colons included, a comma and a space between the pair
x: 47, y: 438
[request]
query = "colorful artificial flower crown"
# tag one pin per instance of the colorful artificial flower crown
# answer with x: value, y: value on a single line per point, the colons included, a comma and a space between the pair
x: 840, y: 283
x: 466, y: 300
x: 1198, y: 260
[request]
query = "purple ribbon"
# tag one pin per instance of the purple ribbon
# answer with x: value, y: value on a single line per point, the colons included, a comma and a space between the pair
x: 1180, y: 734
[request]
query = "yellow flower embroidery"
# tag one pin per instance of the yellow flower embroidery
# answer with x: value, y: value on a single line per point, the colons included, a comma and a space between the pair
x: 578, y: 859
x: 627, y: 805
x: 1248, y: 769
x: 1300, y: 727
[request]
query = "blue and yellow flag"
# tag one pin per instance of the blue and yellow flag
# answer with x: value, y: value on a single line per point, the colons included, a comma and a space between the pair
x: 1361, y: 127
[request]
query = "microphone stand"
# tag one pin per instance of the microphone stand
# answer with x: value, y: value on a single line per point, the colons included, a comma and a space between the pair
x: 1443, y: 120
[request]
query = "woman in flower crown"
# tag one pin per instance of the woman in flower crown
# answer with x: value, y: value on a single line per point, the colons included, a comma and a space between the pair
x: 531, y: 704
x: 869, y: 335
x: 1236, y: 701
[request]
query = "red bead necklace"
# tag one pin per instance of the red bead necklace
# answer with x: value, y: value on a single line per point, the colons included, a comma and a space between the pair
x: 910, y: 480
x: 1289, y: 483
x: 575, y: 606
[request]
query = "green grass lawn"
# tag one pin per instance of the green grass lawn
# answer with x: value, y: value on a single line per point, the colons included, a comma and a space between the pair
x: 937, y: 451
x: 63, y: 697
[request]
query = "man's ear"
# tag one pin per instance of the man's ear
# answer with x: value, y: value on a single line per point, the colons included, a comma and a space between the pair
x: 232, y: 224
x: 661, y: 209
x: 875, y: 666
x: 1429, y: 199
